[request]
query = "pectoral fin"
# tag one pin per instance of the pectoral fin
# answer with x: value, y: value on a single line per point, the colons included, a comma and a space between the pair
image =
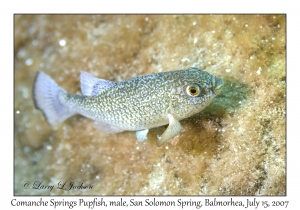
x: 173, y: 130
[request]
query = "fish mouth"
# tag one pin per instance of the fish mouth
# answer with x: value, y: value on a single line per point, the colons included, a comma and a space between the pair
x: 218, y: 85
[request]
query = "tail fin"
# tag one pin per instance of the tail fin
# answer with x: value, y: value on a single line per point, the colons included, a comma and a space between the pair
x: 46, y: 98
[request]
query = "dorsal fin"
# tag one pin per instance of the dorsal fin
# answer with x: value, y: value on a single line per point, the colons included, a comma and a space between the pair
x: 92, y: 86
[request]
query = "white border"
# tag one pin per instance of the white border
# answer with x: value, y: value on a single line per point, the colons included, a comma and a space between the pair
x: 58, y: 6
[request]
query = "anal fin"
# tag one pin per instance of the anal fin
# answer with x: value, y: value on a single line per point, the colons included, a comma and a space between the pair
x: 108, y: 128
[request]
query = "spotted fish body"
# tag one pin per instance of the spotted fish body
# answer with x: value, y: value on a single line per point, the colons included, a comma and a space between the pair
x: 136, y: 104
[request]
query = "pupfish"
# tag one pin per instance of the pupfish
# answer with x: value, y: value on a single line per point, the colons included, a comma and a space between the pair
x: 137, y: 104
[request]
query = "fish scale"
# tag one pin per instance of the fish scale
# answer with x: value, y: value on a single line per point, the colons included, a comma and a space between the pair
x: 136, y: 104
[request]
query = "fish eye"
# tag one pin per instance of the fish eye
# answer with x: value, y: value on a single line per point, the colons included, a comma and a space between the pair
x: 193, y: 90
